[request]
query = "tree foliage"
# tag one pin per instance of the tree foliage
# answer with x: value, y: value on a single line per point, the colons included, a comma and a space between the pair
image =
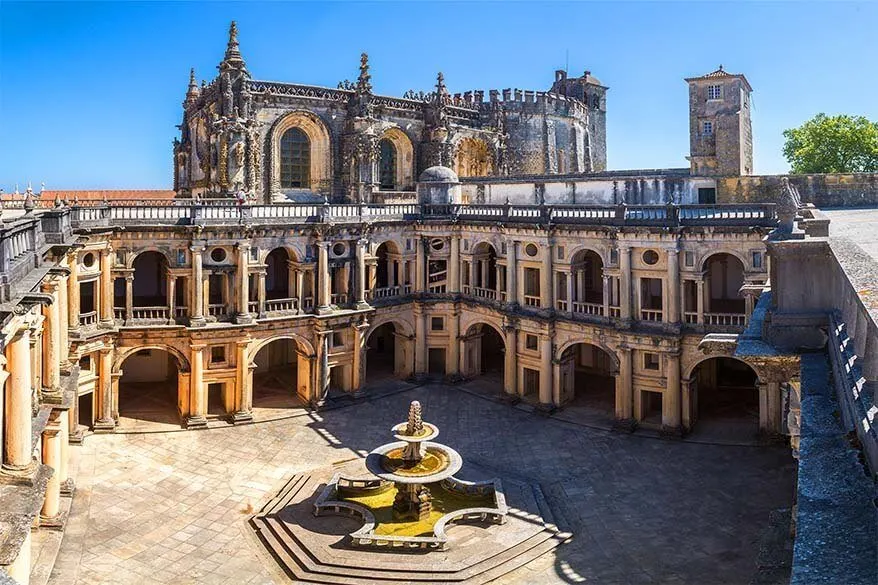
x: 833, y: 144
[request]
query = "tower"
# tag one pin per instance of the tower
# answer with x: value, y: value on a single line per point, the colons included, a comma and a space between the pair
x: 720, y: 133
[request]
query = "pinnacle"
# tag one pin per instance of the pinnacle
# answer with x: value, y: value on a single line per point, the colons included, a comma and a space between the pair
x: 364, y: 84
x: 233, y: 54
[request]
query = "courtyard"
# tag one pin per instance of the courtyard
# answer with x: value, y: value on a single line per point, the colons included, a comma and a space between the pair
x: 159, y: 506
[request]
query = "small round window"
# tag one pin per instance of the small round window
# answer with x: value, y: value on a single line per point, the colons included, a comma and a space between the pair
x: 88, y: 260
x: 338, y: 249
x: 531, y: 250
x: 218, y: 254
x: 437, y: 243
x: 650, y: 257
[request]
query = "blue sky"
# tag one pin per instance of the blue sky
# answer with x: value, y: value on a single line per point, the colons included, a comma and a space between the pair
x: 91, y: 92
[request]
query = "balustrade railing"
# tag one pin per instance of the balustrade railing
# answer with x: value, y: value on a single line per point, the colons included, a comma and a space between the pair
x: 690, y: 318
x: 615, y: 312
x: 150, y: 313
x: 88, y: 319
x: 650, y: 315
x: 119, y: 313
x: 217, y: 310
x: 277, y: 305
x: 309, y: 303
x: 386, y: 291
x: 180, y: 311
x: 338, y: 299
x: 531, y: 301
x: 438, y: 288
x: 253, y: 306
x: 484, y: 293
x: 726, y: 319
x: 588, y: 308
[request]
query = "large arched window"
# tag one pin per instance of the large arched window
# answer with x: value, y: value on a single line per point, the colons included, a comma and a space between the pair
x: 387, y: 165
x: 295, y: 160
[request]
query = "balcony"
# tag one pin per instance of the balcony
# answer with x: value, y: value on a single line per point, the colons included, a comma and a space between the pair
x: 651, y: 315
x: 588, y: 308
x: 282, y: 306
x: 89, y: 319
x: 532, y: 301
x: 217, y: 311
x: 338, y: 299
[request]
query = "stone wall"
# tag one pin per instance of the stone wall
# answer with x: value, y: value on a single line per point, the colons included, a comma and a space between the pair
x: 824, y: 190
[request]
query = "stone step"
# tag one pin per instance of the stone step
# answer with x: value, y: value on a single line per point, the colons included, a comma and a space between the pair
x: 292, y: 489
x: 521, y: 560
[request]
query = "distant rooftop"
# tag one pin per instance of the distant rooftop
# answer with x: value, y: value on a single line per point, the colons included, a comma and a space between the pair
x: 720, y: 74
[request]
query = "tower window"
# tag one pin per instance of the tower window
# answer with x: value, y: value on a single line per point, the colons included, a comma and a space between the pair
x: 707, y: 128
x: 387, y: 165
x: 714, y: 92
x: 295, y: 160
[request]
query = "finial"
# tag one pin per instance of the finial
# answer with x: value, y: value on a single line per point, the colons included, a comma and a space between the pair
x: 415, y: 424
x: 720, y: 66
x: 364, y: 81
x: 58, y: 202
x: 193, y: 85
x: 29, y: 199
x: 233, y: 53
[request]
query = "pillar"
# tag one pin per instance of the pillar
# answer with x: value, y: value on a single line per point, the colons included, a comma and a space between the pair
x: 673, y: 313
x: 260, y: 293
x: 63, y: 470
x: 510, y: 361
x: 454, y: 266
x: 420, y: 342
x: 19, y: 570
x: 452, y: 364
x: 105, y: 422
x: 196, y: 387
x: 546, y: 372
x: 73, y: 292
x: 18, y: 458
x: 361, y: 276
x: 322, y: 374
x: 63, y: 312
x: 770, y: 408
x: 606, y: 296
x: 172, y: 299
x: 391, y: 276
x: 546, y: 289
x: 625, y: 283
x: 106, y: 301
x: 624, y: 391
x: 52, y: 341
x: 699, y: 303
x: 50, y: 515
x: 244, y: 384
x: 671, y: 412
x: 420, y: 265
x: 196, y: 301
x: 129, y: 298
x: 243, y: 287
x: 300, y: 288
x: 325, y: 286
x: 358, y: 365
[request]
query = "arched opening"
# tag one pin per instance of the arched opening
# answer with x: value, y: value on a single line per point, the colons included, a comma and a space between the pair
x: 473, y: 158
x: 149, y: 288
x: 586, y: 287
x: 295, y: 160
x: 388, y: 269
x: 484, y: 351
x: 588, y: 381
x: 277, y: 275
x: 725, y: 276
x: 280, y: 378
x: 386, y: 165
x: 724, y: 393
x: 381, y: 355
x: 148, y: 388
x: 482, y: 277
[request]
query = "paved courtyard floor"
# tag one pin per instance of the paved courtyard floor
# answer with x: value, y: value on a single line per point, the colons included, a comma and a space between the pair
x: 170, y: 507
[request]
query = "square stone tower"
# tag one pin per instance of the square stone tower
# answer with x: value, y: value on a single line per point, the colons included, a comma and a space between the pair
x: 720, y: 133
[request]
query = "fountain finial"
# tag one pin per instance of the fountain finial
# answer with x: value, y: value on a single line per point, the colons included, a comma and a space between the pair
x: 415, y: 425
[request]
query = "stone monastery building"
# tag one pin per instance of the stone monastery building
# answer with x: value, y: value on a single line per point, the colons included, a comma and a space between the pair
x: 337, y: 239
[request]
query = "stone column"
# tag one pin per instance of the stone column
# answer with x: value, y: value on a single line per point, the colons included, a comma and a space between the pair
x: 420, y: 265
x: 580, y: 285
x: 63, y: 471
x: 19, y: 570
x: 358, y: 363
x: 300, y: 288
x: 107, y: 261
x: 322, y: 374
x: 18, y: 458
x: 673, y: 314
x: 325, y: 287
x: 625, y: 283
x: 172, y: 299
x: 105, y: 422
x: 606, y: 295
x: 196, y: 387
x: 243, y: 287
x: 73, y: 292
x: 510, y: 361
x: 671, y: 413
x: 196, y: 301
x: 483, y: 273
x: 546, y: 372
x: 512, y: 273
x: 391, y: 277
x: 129, y: 298
x: 244, y: 399
x: 770, y: 408
x: 471, y: 266
x: 63, y: 323
x: 699, y: 304
x: 454, y: 266
x: 50, y: 515
x: 420, y: 342
x: 361, y: 274
x: 624, y: 391
x: 260, y: 294
x: 546, y: 292
x: 52, y: 341
x: 452, y: 364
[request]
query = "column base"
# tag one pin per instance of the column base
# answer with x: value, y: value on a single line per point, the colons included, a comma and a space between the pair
x: 671, y: 432
x: 52, y: 396
x: 54, y: 522
x: 76, y: 436
x: 324, y: 310
x: 627, y: 425
x: 197, y: 322
x: 107, y: 324
x: 244, y: 319
x: 511, y: 399
x: 196, y: 422
x: 242, y: 417
x: 68, y: 488
x: 105, y: 426
x: 362, y: 306
x: 545, y: 409
x: 19, y: 474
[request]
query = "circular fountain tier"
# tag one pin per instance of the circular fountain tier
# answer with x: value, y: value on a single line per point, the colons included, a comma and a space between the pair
x: 427, y: 433
x: 439, y: 462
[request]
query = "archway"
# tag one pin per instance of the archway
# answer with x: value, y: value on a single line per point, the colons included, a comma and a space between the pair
x: 484, y: 352
x: 725, y: 276
x: 277, y: 275
x: 386, y: 165
x: 149, y: 288
x: 724, y: 395
x: 383, y: 354
x: 586, y: 286
x: 588, y: 380
x: 148, y: 388
x: 396, y: 161
x: 482, y: 277
x: 281, y: 375
x: 388, y: 269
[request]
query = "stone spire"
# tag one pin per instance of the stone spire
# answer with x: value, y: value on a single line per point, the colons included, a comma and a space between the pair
x: 364, y: 81
x: 442, y: 95
x: 233, y: 58
x: 193, y: 92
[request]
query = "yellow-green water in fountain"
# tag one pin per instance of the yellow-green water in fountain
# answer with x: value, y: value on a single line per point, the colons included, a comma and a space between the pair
x: 381, y: 506
x: 434, y: 461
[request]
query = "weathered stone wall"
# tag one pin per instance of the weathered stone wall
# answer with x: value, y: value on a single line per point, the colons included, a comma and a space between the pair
x: 829, y: 190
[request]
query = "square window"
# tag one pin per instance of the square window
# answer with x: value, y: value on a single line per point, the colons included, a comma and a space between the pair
x: 437, y: 323
x: 85, y: 363
x: 254, y: 254
x: 465, y: 244
x: 650, y: 361
x: 707, y: 128
x: 531, y: 342
x: 757, y: 259
x: 181, y: 257
x: 337, y: 339
x: 408, y: 244
x: 689, y: 258
x: 614, y: 256
x: 714, y: 92
x: 217, y: 354
x: 560, y: 252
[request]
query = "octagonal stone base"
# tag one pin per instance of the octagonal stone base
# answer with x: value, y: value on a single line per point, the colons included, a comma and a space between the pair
x: 313, y: 549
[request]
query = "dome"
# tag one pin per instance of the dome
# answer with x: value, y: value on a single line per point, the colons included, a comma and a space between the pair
x: 438, y: 174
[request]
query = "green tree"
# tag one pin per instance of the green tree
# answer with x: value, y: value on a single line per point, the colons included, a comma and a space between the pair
x: 832, y: 144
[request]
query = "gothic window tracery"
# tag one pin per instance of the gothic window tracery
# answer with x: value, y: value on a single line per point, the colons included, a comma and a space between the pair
x: 295, y: 159
x: 387, y: 165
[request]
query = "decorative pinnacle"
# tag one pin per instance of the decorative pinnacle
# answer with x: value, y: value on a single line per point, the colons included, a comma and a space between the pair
x: 415, y: 424
x: 442, y: 95
x: 193, y: 90
x: 233, y: 54
x: 364, y: 84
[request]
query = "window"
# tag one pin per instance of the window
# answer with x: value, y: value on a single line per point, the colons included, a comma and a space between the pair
x: 217, y: 354
x: 531, y: 342
x: 85, y: 363
x: 650, y: 361
x: 339, y: 249
x: 650, y: 257
x: 689, y: 258
x: 387, y: 166
x: 218, y: 255
x: 614, y: 256
x: 437, y: 323
x: 337, y: 339
x: 560, y: 252
x: 503, y: 248
x: 181, y: 257
x: 714, y: 92
x: 531, y: 250
x: 254, y: 254
x: 757, y: 259
x: 295, y: 160
x: 88, y: 260
x: 465, y: 244
x: 707, y: 128
x: 707, y: 195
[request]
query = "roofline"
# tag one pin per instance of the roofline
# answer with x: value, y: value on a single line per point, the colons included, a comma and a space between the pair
x: 704, y: 78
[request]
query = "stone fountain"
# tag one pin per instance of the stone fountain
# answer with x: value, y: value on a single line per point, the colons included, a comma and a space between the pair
x: 415, y: 494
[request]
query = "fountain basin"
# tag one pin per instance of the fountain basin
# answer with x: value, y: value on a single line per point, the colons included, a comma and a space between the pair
x: 428, y: 433
x: 440, y: 462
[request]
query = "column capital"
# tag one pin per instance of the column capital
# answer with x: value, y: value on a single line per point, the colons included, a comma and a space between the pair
x: 197, y: 346
x: 243, y: 343
x: 129, y: 278
x: 105, y: 350
x: 245, y: 246
x: 196, y: 249
x: 362, y: 242
x: 673, y: 251
x: 324, y: 244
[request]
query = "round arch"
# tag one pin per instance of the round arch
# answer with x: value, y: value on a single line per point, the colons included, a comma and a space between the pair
x: 734, y: 253
x: 404, y: 172
x: 484, y: 349
x: 401, y: 325
x: 321, y: 147
x: 488, y: 242
x: 303, y: 344
x: 182, y: 360
x: 475, y: 324
x: 292, y: 254
x: 606, y: 349
x: 690, y: 369
x: 599, y: 252
x: 393, y: 246
x: 130, y: 258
